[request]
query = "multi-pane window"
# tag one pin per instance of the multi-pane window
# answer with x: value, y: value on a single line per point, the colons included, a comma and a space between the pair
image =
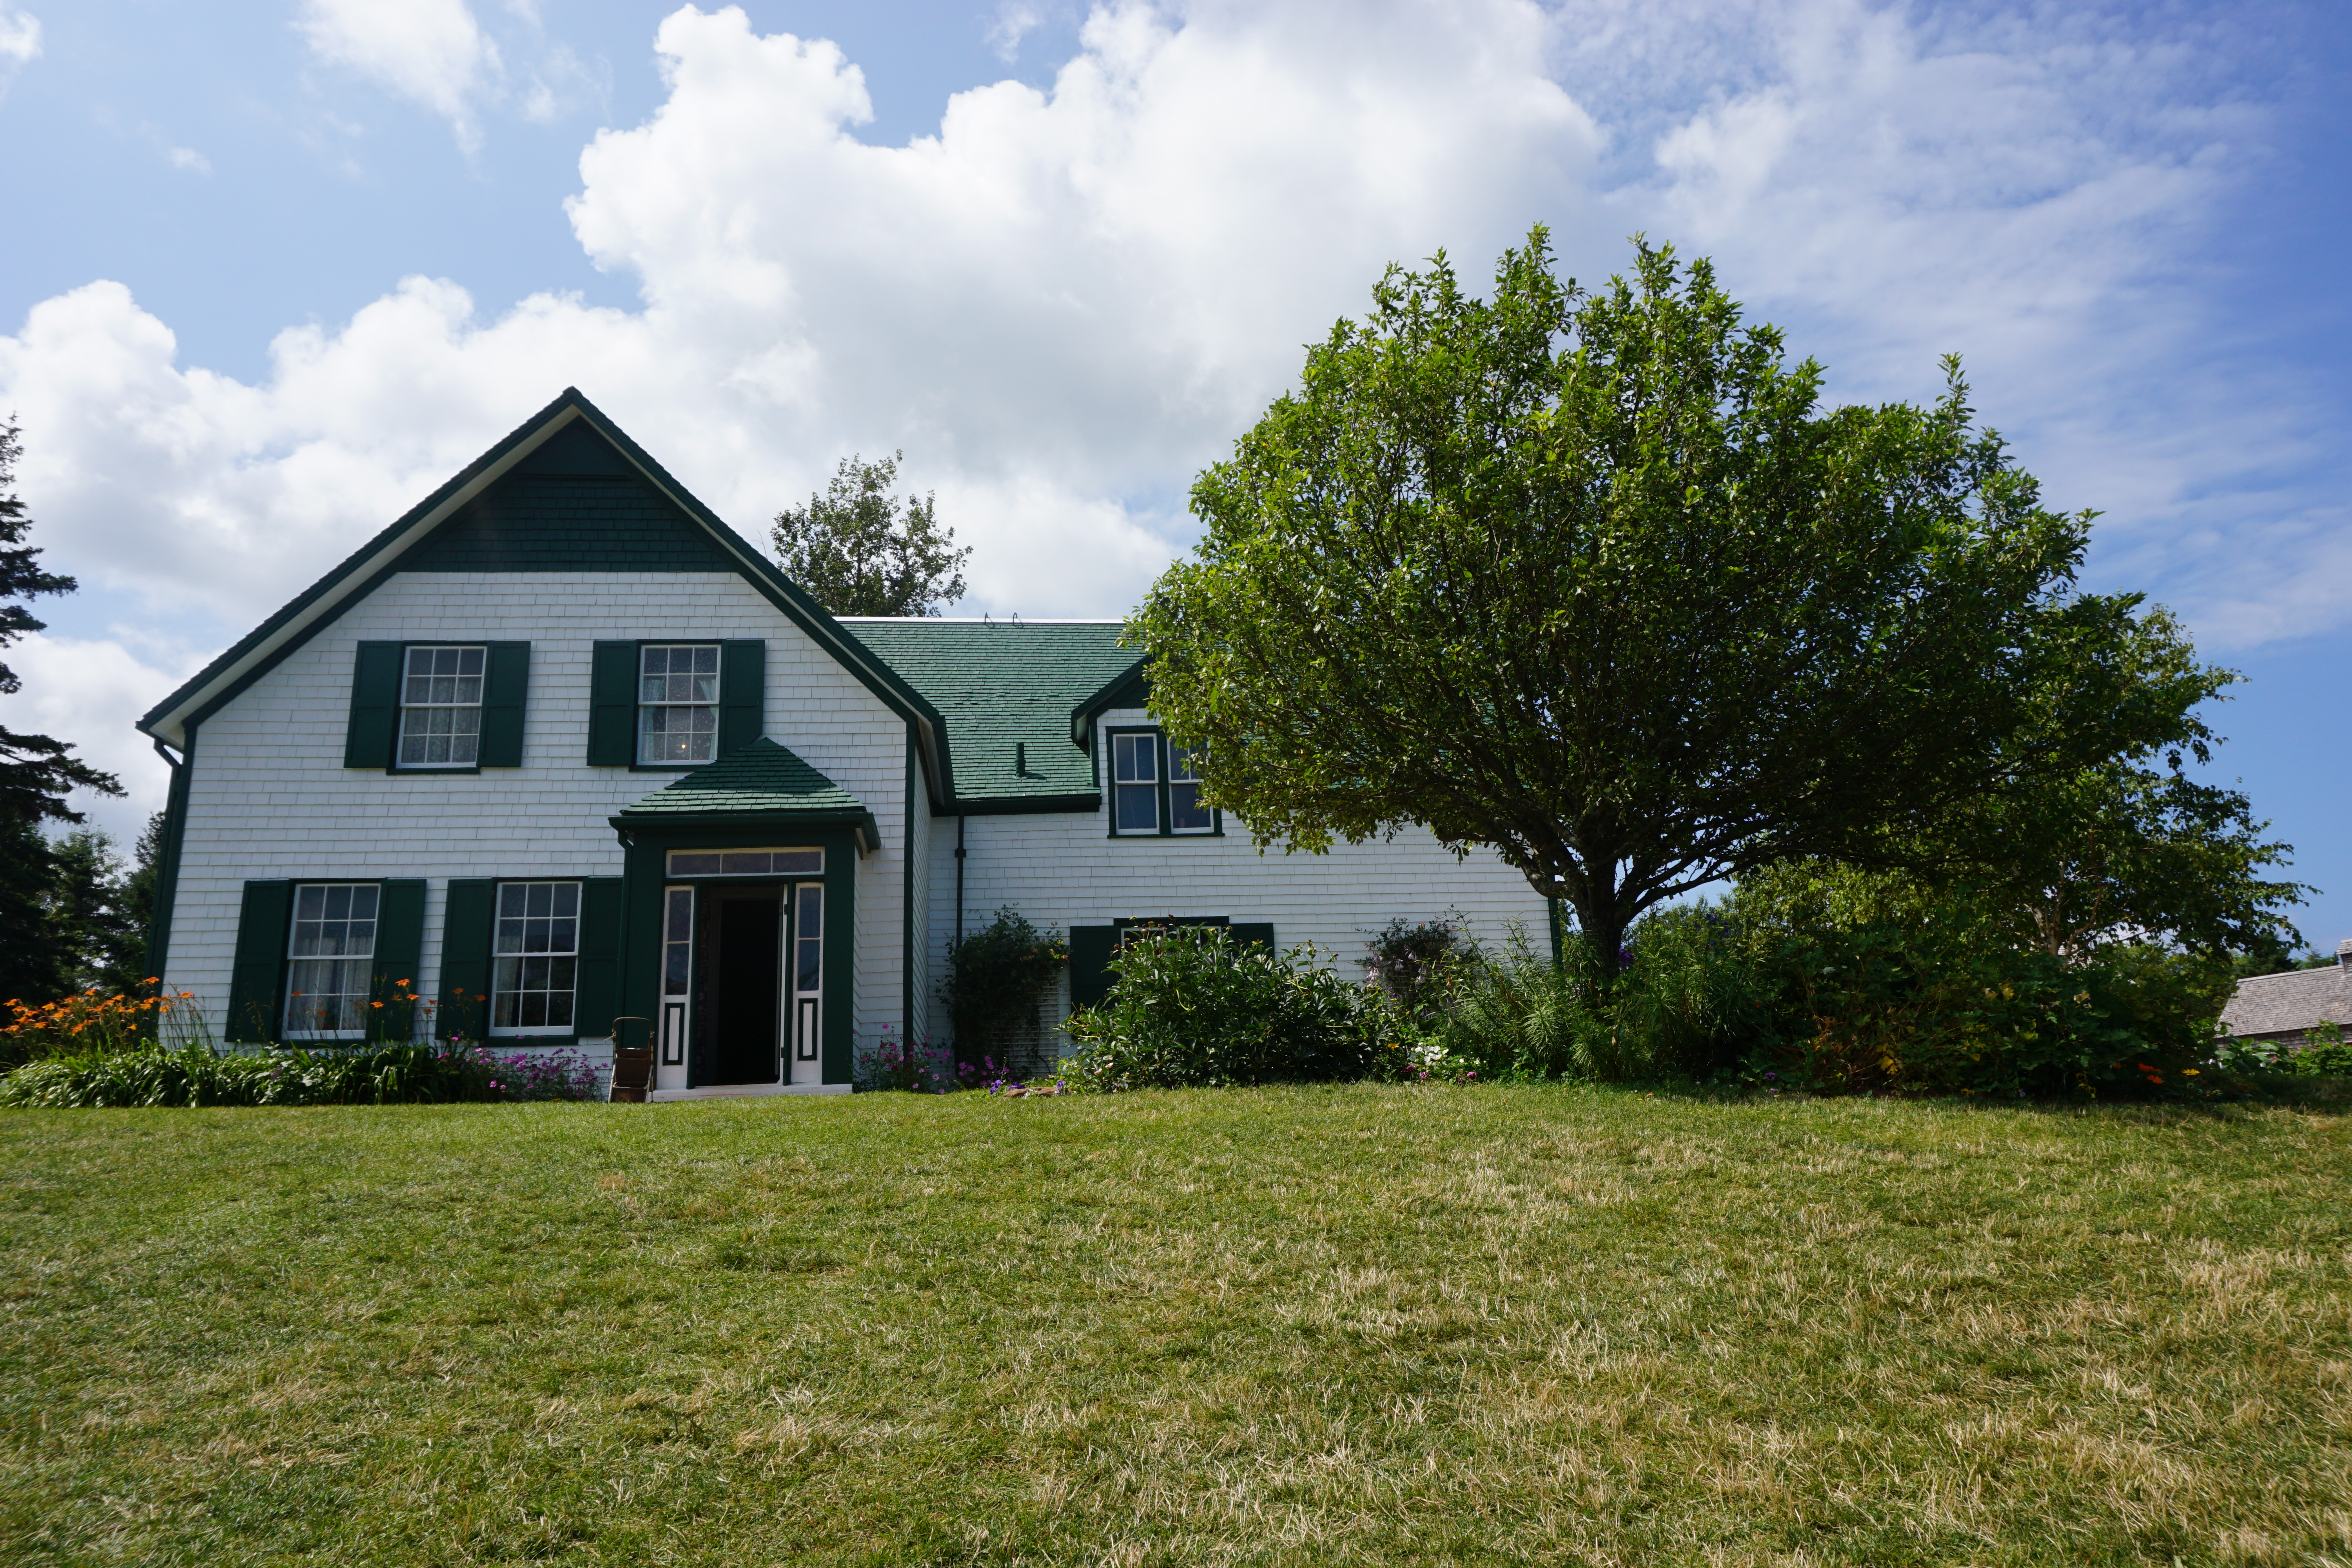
x: 1155, y: 787
x: 1185, y: 812
x: 678, y: 703
x: 1135, y: 782
x: 328, y: 960
x: 441, y: 707
x: 535, y: 958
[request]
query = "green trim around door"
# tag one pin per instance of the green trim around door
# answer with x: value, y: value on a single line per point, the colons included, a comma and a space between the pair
x: 645, y: 862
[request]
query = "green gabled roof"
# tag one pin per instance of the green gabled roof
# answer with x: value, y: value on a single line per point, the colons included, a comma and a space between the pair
x: 759, y: 780
x: 1006, y: 690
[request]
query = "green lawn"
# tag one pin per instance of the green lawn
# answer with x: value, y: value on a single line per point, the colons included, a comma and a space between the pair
x: 1366, y: 1324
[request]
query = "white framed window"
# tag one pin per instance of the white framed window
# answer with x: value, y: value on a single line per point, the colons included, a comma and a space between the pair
x: 330, y: 954
x: 535, y: 958
x: 1135, y: 781
x: 678, y: 703
x: 1185, y: 812
x: 441, y: 707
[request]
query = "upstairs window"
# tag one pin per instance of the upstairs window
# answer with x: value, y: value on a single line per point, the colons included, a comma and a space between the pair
x: 1155, y: 788
x: 535, y: 958
x: 328, y: 960
x: 1135, y: 781
x: 1185, y: 812
x: 678, y: 704
x: 441, y: 707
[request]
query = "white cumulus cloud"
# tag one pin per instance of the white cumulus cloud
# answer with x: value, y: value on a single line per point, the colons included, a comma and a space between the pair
x: 1063, y: 302
x: 431, y: 52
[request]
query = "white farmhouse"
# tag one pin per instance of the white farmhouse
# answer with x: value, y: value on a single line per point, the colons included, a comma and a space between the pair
x: 559, y: 748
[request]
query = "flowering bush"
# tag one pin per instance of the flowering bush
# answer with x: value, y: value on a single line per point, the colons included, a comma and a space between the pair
x: 90, y: 1021
x: 914, y: 1066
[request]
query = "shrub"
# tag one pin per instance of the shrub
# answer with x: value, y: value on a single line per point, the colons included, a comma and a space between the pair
x: 1875, y: 986
x: 911, y: 1066
x: 1416, y: 965
x: 997, y: 977
x: 195, y: 1073
x: 1684, y: 1003
x: 1192, y: 1006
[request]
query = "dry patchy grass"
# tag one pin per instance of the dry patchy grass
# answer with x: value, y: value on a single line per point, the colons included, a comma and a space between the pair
x: 1357, y: 1325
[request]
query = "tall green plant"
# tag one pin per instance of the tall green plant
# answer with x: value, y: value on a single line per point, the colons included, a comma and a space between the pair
x: 997, y: 979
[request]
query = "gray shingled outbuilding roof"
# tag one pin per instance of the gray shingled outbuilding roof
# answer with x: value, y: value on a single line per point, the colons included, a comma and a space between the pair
x: 2288, y: 1004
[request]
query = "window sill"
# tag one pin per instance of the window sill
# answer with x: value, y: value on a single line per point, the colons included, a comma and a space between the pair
x: 431, y: 772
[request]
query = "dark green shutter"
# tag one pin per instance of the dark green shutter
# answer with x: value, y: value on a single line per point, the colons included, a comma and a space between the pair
x: 1090, y: 975
x: 502, y: 699
x: 598, y: 996
x: 742, y: 694
x: 1253, y: 935
x: 399, y: 955
x: 613, y: 706
x: 463, y: 1006
x: 257, y: 982
x: 375, y: 705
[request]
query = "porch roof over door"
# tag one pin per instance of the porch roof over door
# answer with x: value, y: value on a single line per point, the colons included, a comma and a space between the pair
x: 762, y: 785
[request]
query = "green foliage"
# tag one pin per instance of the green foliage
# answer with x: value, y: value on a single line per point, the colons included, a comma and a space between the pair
x: 1194, y: 1007
x: 36, y: 772
x: 195, y: 1073
x: 997, y: 978
x: 1879, y: 984
x: 1415, y: 963
x: 2125, y: 846
x: 1683, y: 1005
x: 862, y: 551
x: 1597, y: 582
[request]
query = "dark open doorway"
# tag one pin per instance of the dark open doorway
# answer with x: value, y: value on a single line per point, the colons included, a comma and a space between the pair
x: 744, y: 937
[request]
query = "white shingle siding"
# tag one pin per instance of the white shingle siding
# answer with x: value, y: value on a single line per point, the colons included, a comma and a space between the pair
x: 1066, y: 869
x: 270, y: 796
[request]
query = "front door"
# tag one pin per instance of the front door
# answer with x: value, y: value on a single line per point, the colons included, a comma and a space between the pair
x: 743, y: 980
x: 742, y: 984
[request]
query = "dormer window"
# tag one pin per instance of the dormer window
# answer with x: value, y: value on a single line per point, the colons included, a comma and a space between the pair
x: 1155, y: 788
x: 441, y: 707
x: 678, y: 704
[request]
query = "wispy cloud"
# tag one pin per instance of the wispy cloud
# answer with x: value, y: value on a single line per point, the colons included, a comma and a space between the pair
x: 189, y: 159
x: 1014, y: 20
x: 432, y: 52
x: 20, y: 41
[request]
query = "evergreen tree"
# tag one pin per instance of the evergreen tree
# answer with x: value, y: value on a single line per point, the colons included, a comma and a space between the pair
x: 36, y: 772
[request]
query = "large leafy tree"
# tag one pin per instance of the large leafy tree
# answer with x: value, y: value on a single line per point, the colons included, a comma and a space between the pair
x: 864, y: 551
x: 1599, y: 582
x: 2127, y: 847
x: 36, y: 772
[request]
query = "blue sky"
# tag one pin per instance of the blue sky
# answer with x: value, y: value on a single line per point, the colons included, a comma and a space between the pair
x: 277, y: 270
